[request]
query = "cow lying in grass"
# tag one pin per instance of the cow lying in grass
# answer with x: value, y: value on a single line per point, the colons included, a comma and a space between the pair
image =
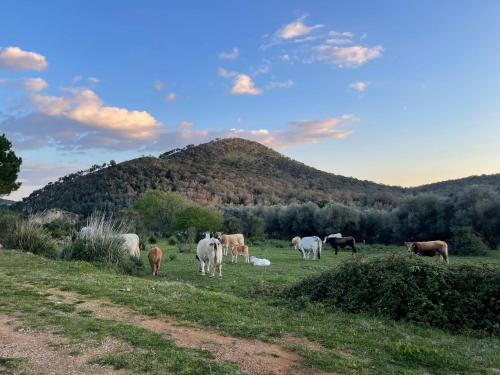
x: 154, y: 257
x: 209, y: 254
x: 429, y: 248
x: 237, y: 250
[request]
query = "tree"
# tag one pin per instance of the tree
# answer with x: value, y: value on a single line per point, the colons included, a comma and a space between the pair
x: 156, y: 209
x: 203, y: 219
x: 9, y: 167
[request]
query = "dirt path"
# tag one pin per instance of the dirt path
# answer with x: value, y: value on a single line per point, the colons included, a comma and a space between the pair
x: 252, y: 356
x: 41, y: 352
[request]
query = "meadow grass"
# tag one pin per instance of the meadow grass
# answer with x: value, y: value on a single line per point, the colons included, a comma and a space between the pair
x: 242, y: 303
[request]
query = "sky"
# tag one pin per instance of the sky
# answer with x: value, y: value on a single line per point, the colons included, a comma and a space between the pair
x: 397, y: 92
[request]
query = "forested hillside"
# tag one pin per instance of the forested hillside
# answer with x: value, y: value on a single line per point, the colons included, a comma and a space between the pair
x: 227, y: 171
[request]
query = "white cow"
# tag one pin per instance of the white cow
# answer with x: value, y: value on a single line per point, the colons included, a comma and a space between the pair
x: 308, y: 245
x: 130, y: 241
x: 209, y: 254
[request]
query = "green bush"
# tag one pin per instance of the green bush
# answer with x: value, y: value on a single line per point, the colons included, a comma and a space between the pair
x: 31, y: 237
x: 8, y: 220
x: 152, y: 240
x: 456, y: 297
x: 173, y: 240
x: 466, y: 242
x: 60, y: 229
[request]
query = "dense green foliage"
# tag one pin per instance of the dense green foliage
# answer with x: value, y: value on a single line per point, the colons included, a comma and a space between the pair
x: 31, y: 237
x: 417, y: 218
x: 457, y: 298
x: 9, y: 167
x: 157, y: 209
x: 8, y: 220
x: 200, y: 218
x: 61, y: 229
x: 466, y: 242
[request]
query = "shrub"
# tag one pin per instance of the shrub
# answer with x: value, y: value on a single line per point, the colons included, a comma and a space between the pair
x: 173, y: 240
x: 456, y: 297
x: 8, y: 220
x: 101, y: 243
x: 466, y: 242
x: 172, y: 257
x: 60, y: 229
x: 32, y: 237
x: 152, y: 239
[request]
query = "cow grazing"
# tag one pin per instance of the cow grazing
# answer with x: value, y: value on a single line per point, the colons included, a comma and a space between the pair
x: 429, y: 248
x: 336, y: 242
x: 229, y: 240
x: 237, y: 250
x: 209, y: 254
x: 131, y: 244
x: 154, y: 257
x: 307, y: 246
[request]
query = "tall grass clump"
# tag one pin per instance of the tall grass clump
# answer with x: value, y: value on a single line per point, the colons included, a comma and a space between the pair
x: 100, y: 242
x: 32, y: 237
x: 453, y: 297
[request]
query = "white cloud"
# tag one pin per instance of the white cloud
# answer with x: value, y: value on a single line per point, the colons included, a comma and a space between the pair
x: 17, y: 59
x: 296, y: 29
x: 338, y: 41
x: 281, y: 85
x: 94, y: 79
x: 226, y: 73
x: 185, y: 125
x: 76, y: 79
x: 29, y: 84
x: 171, y: 97
x: 345, y: 34
x: 158, y: 85
x: 85, y: 107
x: 350, y: 57
x: 231, y: 55
x: 243, y: 84
x: 358, y: 86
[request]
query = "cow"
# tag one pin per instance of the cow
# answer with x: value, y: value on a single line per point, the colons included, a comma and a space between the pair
x: 336, y: 242
x: 154, y: 257
x: 240, y: 250
x: 429, y: 248
x: 229, y: 240
x: 209, y: 254
x: 308, y: 245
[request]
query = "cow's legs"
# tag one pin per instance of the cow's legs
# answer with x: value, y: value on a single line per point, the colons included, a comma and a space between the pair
x: 202, y: 267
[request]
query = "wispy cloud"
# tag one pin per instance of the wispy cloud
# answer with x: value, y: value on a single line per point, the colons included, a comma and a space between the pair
x: 358, y: 86
x: 94, y: 80
x: 280, y: 85
x: 348, y: 57
x: 185, y: 125
x: 29, y: 84
x: 243, y: 84
x: 230, y: 55
x: 16, y: 59
x: 171, y: 97
x: 296, y: 28
x: 226, y: 73
x: 158, y: 85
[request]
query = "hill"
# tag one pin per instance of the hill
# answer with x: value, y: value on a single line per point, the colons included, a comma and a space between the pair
x: 6, y: 202
x: 454, y: 186
x: 226, y: 171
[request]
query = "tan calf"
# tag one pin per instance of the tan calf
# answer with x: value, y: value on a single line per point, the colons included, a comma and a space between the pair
x: 154, y: 257
x: 228, y: 240
x: 240, y: 250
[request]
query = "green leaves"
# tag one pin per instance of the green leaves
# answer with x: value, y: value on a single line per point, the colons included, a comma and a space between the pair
x: 9, y: 167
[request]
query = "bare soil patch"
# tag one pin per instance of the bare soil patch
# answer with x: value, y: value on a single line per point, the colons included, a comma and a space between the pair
x: 42, y: 352
x: 252, y: 356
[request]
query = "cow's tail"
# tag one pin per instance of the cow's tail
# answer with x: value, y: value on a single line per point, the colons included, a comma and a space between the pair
x: 318, y: 241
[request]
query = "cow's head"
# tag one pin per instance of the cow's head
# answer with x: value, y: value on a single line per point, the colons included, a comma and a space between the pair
x: 410, y: 246
x: 218, y: 235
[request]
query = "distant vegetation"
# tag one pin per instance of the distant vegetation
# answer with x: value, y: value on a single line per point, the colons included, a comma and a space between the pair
x: 9, y: 167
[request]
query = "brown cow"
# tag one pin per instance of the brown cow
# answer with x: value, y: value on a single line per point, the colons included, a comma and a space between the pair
x: 154, y: 257
x: 240, y: 250
x: 341, y: 242
x: 429, y: 248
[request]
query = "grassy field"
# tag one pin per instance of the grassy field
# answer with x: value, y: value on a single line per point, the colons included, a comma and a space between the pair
x: 241, y: 304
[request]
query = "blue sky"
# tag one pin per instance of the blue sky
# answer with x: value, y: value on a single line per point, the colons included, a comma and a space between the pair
x: 398, y: 92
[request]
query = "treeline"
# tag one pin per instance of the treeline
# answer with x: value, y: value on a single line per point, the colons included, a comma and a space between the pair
x: 416, y: 218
